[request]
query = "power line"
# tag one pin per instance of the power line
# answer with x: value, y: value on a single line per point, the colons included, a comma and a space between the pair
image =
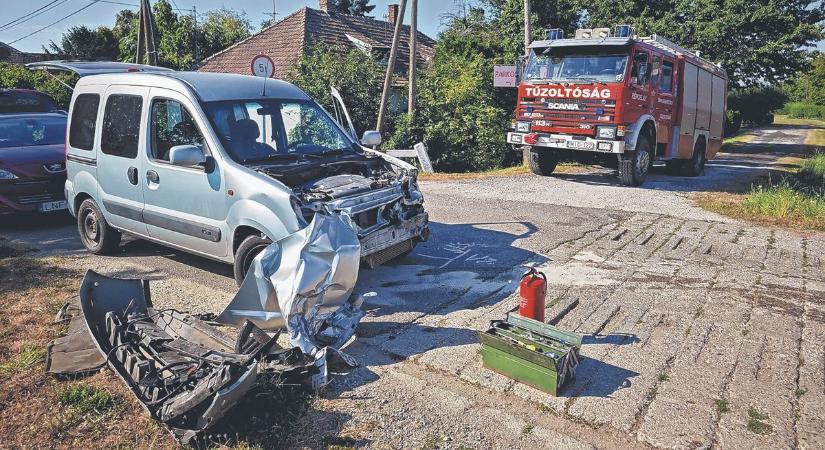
x: 26, y: 17
x: 54, y: 23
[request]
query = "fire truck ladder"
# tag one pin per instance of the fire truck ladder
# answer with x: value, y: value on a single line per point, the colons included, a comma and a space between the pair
x: 668, y: 46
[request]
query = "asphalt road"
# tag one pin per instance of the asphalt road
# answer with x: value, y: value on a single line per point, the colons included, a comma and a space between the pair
x: 429, y: 303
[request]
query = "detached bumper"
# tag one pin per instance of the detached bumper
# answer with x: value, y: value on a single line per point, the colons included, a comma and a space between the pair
x: 566, y: 142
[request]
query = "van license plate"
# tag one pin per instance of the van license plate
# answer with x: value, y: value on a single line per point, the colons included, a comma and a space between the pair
x: 581, y: 145
x: 53, y: 206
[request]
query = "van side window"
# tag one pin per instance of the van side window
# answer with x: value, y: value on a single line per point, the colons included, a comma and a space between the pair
x: 84, y: 121
x: 639, y: 61
x: 172, y: 125
x: 666, y: 81
x: 121, y: 125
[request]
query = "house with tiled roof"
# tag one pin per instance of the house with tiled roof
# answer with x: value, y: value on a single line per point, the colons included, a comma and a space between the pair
x: 285, y: 41
x: 12, y: 55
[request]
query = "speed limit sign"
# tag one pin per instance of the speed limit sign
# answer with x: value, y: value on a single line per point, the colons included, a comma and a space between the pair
x: 262, y: 66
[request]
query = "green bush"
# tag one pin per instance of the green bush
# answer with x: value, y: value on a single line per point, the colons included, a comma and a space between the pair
x: 733, y: 122
x: 15, y: 76
x: 813, y: 171
x: 799, y: 110
x: 756, y: 104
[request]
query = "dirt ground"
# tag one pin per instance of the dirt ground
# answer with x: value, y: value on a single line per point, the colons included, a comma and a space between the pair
x: 699, y: 330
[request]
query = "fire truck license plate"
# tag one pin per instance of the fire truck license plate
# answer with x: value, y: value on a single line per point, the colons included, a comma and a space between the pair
x: 581, y: 145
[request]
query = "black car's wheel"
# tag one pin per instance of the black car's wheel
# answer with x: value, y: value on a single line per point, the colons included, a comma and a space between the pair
x: 542, y: 162
x: 633, y: 169
x: 95, y: 233
x: 246, y: 253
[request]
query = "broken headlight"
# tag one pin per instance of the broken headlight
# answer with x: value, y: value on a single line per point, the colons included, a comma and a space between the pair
x: 606, y: 132
x: 523, y: 127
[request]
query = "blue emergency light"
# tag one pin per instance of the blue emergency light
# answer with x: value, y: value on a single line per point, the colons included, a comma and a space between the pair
x: 555, y: 33
x: 624, y: 31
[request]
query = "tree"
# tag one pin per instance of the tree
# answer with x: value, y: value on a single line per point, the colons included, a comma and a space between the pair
x: 82, y: 42
x: 358, y: 77
x: 17, y: 76
x: 809, y: 86
x: 351, y: 7
x: 756, y: 41
x: 222, y: 28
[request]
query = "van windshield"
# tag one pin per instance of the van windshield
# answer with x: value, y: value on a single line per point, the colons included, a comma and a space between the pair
x: 573, y: 64
x: 255, y: 131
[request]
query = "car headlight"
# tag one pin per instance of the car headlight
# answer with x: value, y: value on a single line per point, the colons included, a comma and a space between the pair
x: 523, y: 127
x: 606, y: 132
x: 6, y: 175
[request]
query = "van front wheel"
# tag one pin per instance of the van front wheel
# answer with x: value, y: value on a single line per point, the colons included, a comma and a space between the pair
x: 246, y: 253
x: 95, y: 233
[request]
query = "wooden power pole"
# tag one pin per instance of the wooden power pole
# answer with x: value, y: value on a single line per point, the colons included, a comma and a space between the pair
x: 146, y: 36
x: 527, y: 25
x: 385, y: 95
x: 413, y: 48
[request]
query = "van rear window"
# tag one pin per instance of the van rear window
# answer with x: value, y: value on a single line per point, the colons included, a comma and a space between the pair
x: 121, y: 125
x: 84, y: 121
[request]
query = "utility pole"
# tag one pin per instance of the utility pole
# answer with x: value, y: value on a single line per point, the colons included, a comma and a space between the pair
x: 527, y: 26
x: 413, y: 48
x: 385, y: 95
x: 146, y: 36
x: 197, y: 61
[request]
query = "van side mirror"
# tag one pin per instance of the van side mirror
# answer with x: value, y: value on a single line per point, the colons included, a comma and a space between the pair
x: 371, y: 138
x: 186, y: 155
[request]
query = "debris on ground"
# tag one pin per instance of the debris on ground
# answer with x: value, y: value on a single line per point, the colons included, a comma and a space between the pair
x: 531, y: 352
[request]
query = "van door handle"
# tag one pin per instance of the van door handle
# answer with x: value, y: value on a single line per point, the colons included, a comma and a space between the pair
x: 152, y: 176
x: 132, y: 174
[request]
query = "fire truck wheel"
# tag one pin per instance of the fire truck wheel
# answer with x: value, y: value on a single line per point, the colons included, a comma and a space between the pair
x: 696, y: 165
x: 634, y: 167
x: 542, y: 162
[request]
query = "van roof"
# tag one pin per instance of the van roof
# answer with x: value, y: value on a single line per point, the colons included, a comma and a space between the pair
x: 208, y: 87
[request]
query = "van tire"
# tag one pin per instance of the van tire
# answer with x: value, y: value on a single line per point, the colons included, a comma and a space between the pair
x: 542, y: 162
x: 246, y: 253
x: 95, y: 233
x: 633, y: 168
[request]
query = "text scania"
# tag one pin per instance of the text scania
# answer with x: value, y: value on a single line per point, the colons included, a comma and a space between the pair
x: 566, y: 92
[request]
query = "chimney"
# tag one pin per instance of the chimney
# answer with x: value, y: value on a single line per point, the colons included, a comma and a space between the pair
x: 323, y: 5
x: 392, y: 13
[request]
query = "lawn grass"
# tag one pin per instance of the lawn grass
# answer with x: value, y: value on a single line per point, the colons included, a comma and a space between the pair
x: 791, y: 196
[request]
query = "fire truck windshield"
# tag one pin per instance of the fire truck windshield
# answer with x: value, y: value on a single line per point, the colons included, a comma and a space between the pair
x: 575, y: 65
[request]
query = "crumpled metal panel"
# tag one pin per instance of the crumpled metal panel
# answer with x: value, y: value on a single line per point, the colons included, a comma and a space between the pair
x: 300, y: 281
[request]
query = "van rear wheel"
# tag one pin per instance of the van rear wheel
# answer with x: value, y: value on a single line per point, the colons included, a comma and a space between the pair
x: 542, y: 162
x: 95, y: 233
x: 246, y: 253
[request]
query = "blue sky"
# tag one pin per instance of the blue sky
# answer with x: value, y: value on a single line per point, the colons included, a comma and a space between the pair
x: 430, y: 14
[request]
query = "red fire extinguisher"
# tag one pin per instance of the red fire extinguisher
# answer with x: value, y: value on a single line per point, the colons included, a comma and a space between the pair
x: 532, y: 289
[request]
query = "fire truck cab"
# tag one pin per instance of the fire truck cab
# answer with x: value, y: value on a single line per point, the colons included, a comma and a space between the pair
x: 621, y: 101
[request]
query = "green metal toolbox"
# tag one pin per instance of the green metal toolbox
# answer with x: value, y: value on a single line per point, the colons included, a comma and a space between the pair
x: 531, y: 352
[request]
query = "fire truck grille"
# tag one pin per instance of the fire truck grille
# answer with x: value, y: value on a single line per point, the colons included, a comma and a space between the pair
x: 559, y: 113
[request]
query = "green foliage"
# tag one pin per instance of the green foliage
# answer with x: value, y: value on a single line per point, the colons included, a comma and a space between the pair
x: 812, y: 172
x: 757, y: 104
x: 357, y: 77
x: 83, y: 42
x: 799, y: 110
x: 785, y: 201
x: 351, y: 7
x: 756, y: 41
x: 733, y: 122
x: 809, y: 86
x: 222, y: 28
x: 17, y: 76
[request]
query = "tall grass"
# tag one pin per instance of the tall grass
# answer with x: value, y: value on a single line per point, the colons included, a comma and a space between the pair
x: 812, y: 172
x: 785, y: 202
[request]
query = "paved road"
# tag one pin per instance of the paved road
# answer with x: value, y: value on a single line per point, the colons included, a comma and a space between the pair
x: 680, y: 310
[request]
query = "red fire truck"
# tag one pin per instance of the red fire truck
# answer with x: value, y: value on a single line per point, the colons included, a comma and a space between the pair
x: 621, y: 101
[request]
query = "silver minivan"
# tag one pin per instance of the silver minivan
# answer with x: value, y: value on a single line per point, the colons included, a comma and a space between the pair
x: 222, y: 165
